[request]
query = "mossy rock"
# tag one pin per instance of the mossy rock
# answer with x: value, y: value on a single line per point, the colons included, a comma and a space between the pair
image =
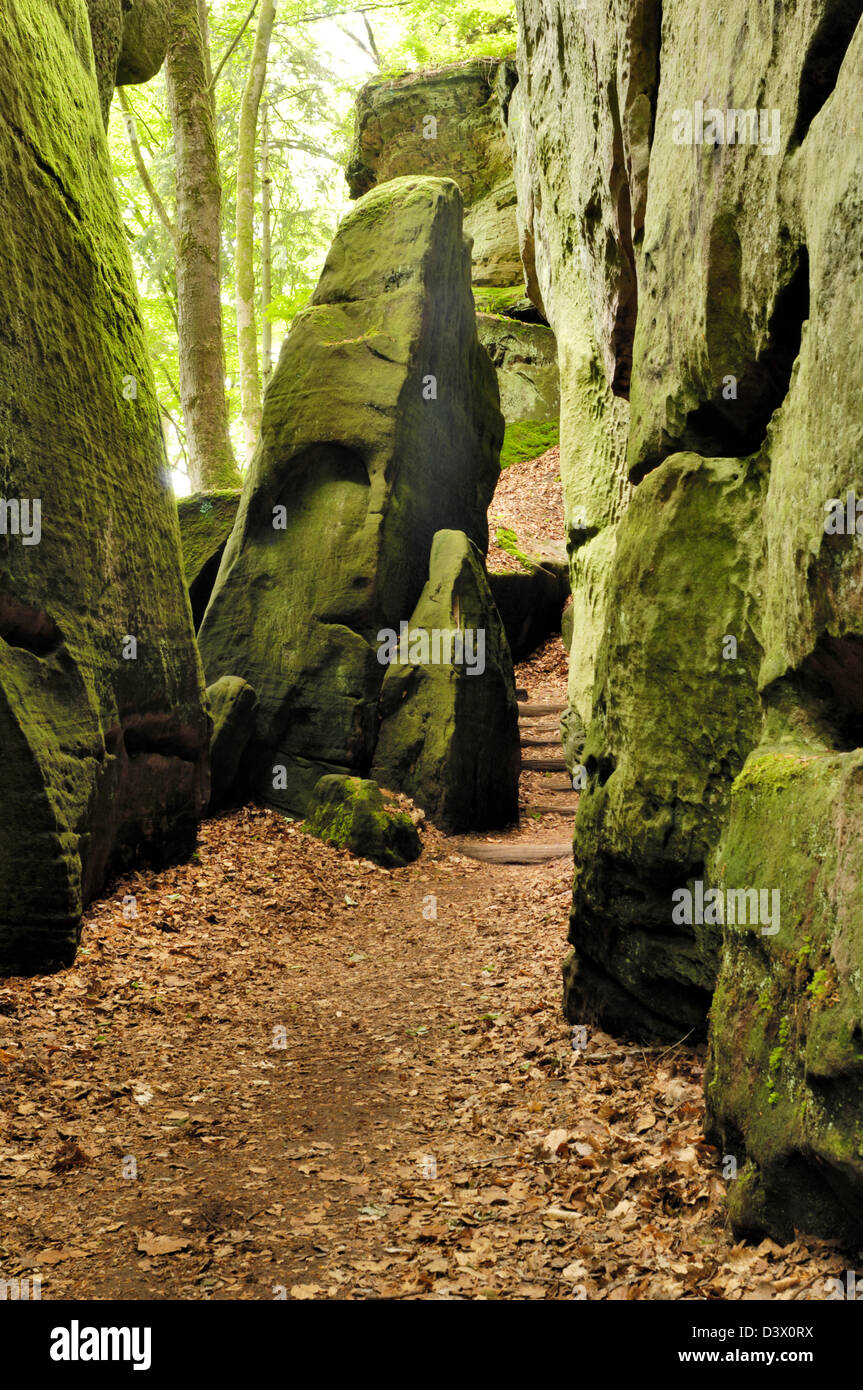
x: 206, y: 522
x: 360, y: 463
x: 675, y: 723
x: 530, y: 607
x: 350, y: 813
x: 507, y: 301
x: 527, y: 439
x: 394, y: 137
x: 104, y: 742
x: 449, y: 734
x: 524, y: 355
x: 233, y: 705
x: 784, y: 1081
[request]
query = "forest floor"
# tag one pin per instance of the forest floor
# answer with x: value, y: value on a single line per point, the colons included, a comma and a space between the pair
x: 295, y: 1074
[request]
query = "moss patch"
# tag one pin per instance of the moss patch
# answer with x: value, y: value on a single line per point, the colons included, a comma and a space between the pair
x: 527, y: 439
x: 350, y: 813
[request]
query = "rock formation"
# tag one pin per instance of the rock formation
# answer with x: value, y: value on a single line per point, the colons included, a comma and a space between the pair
x: 130, y: 39
x: 449, y: 728
x: 104, y: 730
x: 688, y: 201
x: 447, y: 122
x: 234, y: 709
x: 351, y: 813
x: 381, y: 427
x: 206, y: 522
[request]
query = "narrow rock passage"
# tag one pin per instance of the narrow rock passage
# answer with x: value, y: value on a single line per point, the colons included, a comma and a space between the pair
x: 367, y: 1091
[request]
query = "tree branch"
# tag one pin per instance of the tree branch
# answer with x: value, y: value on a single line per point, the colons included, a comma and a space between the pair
x: 132, y: 135
x: 356, y: 9
x: 229, y: 50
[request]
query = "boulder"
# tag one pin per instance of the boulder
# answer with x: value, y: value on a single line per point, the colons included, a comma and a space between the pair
x: 677, y: 715
x: 102, y: 717
x: 381, y: 427
x: 449, y: 727
x: 445, y: 122
x: 524, y: 356
x: 234, y: 706
x: 350, y: 813
x: 785, y: 1072
x: 206, y: 522
x: 689, y: 219
x: 130, y: 40
x: 530, y: 606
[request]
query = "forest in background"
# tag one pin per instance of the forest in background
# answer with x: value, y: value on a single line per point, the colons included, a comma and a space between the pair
x: 300, y: 63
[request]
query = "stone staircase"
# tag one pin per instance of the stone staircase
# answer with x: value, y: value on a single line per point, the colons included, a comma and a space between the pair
x: 540, y: 729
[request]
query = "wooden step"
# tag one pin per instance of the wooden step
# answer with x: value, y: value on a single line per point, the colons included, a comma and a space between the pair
x: 523, y: 852
x: 543, y: 765
x: 560, y: 810
x: 540, y: 742
x: 531, y: 711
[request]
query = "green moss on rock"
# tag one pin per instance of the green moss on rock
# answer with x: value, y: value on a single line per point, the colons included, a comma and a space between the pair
x: 784, y: 1084
x: 381, y: 427
x: 105, y: 745
x: 206, y: 522
x: 449, y: 735
x: 350, y: 813
x: 676, y: 724
x: 527, y: 439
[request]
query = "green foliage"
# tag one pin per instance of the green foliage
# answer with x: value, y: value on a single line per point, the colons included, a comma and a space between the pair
x: 316, y: 66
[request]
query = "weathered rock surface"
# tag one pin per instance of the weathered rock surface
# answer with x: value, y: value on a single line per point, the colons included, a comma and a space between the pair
x: 206, y: 522
x: 674, y: 722
x: 448, y: 122
x: 705, y: 295
x: 445, y: 122
x: 530, y: 606
x: 540, y: 111
x: 381, y: 427
x: 449, y: 732
x: 234, y: 707
x: 785, y: 1075
x: 130, y: 40
x: 351, y: 813
x: 102, y: 719
x: 524, y: 356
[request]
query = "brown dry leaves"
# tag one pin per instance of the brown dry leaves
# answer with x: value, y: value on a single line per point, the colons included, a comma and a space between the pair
x: 426, y: 1131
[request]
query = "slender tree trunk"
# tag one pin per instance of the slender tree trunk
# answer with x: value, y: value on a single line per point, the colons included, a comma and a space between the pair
x: 266, y: 252
x: 204, y: 22
x: 244, y: 264
x: 199, y: 199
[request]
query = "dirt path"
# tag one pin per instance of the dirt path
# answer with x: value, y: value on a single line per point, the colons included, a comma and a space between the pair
x: 296, y: 1074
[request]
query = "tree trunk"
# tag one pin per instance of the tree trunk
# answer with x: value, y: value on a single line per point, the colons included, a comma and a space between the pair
x: 199, y: 200
x: 244, y: 252
x: 266, y: 253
